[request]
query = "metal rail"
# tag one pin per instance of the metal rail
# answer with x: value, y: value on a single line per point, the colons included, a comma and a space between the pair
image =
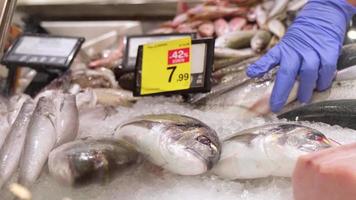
x: 7, y: 9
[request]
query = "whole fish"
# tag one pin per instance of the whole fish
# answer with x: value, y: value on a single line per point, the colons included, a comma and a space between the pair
x: 347, y: 57
x: 270, y: 150
x: 237, y: 23
x: 278, y: 7
x: 233, y: 53
x: 235, y: 40
x: 337, y: 112
x: 207, y: 29
x: 11, y: 151
x: 67, y: 119
x: 216, y: 91
x: 177, y: 143
x: 261, y: 16
x: 221, y: 27
x: 40, y: 140
x: 85, y: 161
x: 241, y: 66
x: 276, y: 27
x: 260, y: 41
x: 296, y: 5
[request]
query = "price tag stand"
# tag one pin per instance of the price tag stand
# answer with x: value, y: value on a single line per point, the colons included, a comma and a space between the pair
x: 202, y: 55
x: 50, y: 56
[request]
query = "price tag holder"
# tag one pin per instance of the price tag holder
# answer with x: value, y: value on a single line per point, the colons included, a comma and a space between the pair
x: 174, y: 67
x: 133, y: 43
x: 42, y: 52
x: 49, y: 55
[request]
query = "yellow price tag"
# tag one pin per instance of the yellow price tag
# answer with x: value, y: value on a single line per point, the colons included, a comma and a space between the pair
x: 166, y: 66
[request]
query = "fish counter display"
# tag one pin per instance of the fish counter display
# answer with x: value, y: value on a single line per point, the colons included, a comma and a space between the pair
x: 85, y: 136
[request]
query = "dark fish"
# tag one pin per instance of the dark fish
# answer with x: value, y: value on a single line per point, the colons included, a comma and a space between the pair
x: 339, y: 112
x: 347, y: 57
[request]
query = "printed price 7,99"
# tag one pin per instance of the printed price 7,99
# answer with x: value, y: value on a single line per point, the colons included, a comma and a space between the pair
x: 181, y: 77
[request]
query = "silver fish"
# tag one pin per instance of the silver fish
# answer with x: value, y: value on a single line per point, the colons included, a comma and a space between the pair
x: 10, y: 153
x: 260, y: 41
x: 235, y: 40
x: 40, y: 140
x: 232, y: 53
x: 261, y: 16
x: 276, y: 27
x: 278, y: 7
x: 270, y: 150
x: 67, y: 119
x: 85, y: 161
x: 179, y: 144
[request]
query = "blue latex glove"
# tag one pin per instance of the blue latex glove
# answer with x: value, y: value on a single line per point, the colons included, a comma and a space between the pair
x: 310, y: 49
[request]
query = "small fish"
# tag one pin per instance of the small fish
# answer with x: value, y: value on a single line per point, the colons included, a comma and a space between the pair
x: 278, y: 7
x: 98, y: 78
x: 221, y: 27
x: 114, y: 97
x: 277, y: 28
x: 232, y: 53
x: 10, y: 153
x: 67, y: 118
x: 235, y: 40
x: 85, y: 161
x: 237, y: 23
x: 177, y: 143
x: 347, y: 57
x: 261, y: 16
x: 207, y: 29
x: 337, y: 112
x: 260, y: 41
x: 296, y: 5
x: 40, y: 140
x: 270, y: 150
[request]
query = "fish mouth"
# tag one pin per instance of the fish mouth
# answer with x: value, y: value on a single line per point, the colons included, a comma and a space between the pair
x: 208, y: 163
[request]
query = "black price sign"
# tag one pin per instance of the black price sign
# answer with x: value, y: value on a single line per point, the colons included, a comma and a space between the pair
x: 39, y: 51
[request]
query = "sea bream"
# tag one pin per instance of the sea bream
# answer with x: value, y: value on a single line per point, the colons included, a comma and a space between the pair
x: 89, y: 160
x: 269, y: 150
x: 177, y: 143
x: 10, y: 153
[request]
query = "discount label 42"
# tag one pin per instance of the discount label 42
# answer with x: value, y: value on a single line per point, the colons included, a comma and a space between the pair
x: 166, y: 66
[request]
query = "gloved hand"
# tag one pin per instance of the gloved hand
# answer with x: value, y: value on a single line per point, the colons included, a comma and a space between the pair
x: 310, y: 49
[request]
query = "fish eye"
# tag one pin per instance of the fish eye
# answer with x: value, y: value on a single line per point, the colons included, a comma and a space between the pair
x: 316, y: 136
x: 203, y: 140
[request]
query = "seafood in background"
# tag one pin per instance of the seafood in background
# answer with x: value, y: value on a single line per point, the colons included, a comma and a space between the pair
x: 237, y: 23
x: 277, y: 28
x: 114, y: 97
x: 99, y: 78
x: 86, y: 161
x: 179, y: 144
x: 337, y: 112
x: 221, y: 27
x: 278, y: 7
x: 270, y: 150
x: 235, y: 40
x: 206, y: 29
x: 347, y: 57
x: 296, y: 5
x: 67, y: 119
x: 40, y: 140
x: 182, y: 6
x: 111, y: 60
x: 260, y: 41
x: 10, y: 153
x: 261, y: 16
x: 233, y: 53
x: 250, y: 27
